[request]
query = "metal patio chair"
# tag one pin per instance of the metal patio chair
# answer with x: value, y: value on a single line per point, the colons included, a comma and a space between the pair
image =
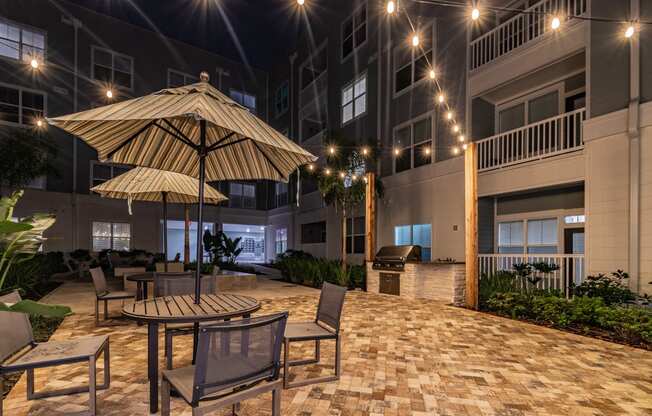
x: 171, y: 284
x: 326, y: 326
x: 102, y: 293
x: 19, y: 352
x: 236, y: 360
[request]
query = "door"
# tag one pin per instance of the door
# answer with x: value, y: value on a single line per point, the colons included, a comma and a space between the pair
x: 574, y: 244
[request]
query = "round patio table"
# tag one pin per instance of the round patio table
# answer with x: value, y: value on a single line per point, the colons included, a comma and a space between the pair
x: 142, y: 280
x: 180, y: 310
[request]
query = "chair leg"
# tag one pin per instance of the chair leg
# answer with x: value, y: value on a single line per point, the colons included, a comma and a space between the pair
x: 338, y: 357
x: 107, y: 367
x: 30, y: 384
x: 317, y: 350
x: 169, y: 352
x: 92, y: 385
x: 165, y: 397
x: 97, y: 312
x: 106, y: 309
x: 286, y: 363
x: 276, y: 402
x: 2, y: 389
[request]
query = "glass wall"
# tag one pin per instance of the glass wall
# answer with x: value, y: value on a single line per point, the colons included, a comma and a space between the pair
x: 176, y: 239
x: 252, y: 241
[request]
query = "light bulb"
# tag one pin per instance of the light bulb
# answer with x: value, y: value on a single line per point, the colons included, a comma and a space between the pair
x: 397, y: 152
x: 39, y: 123
x: 342, y: 175
x: 456, y: 128
x: 475, y: 14
x: 365, y: 151
x: 555, y: 23
x: 415, y: 40
x: 461, y: 138
x: 456, y: 150
x: 441, y: 98
x: 433, y: 75
x: 629, y: 32
x: 311, y: 167
x: 427, y: 151
x: 354, y: 178
x: 331, y: 150
x: 449, y: 115
x: 391, y: 7
x: 34, y: 63
x: 465, y: 146
x: 109, y: 94
x: 301, y: 2
x: 327, y: 172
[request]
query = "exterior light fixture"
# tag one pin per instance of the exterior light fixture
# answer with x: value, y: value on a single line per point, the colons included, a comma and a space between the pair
x: 432, y: 74
x: 34, y: 63
x: 441, y: 98
x: 462, y: 138
x: 331, y: 150
x: 475, y: 13
x: 327, y: 172
x: 415, y: 40
x: 109, y: 93
x: 449, y: 115
x: 555, y: 23
x: 365, y: 151
x: 301, y: 2
x: 311, y: 167
x: 456, y: 150
x: 397, y: 152
x: 465, y: 146
x: 342, y: 175
x: 629, y: 32
x: 391, y: 7
x: 456, y: 128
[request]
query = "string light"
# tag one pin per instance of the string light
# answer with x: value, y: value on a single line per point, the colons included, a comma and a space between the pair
x: 34, y: 63
x: 555, y: 23
x: 415, y: 40
x: 465, y: 146
x: 391, y: 7
x: 342, y: 175
x: 365, y: 151
x: 397, y: 152
x: 433, y: 75
x: 354, y: 178
x: 331, y: 150
x: 456, y: 128
x: 456, y: 150
x: 427, y: 151
x: 449, y: 115
x: 327, y: 172
x: 441, y: 98
x: 109, y: 93
x: 40, y: 123
x: 301, y: 2
x: 461, y: 138
x: 311, y: 167
x: 629, y: 32
x: 475, y: 14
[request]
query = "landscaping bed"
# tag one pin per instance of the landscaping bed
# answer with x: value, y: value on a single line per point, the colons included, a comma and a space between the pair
x: 601, y: 307
x: 302, y: 268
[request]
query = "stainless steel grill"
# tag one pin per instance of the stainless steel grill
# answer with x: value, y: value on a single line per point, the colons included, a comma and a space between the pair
x: 393, y: 258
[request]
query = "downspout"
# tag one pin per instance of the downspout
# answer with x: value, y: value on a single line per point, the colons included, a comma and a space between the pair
x: 634, y: 153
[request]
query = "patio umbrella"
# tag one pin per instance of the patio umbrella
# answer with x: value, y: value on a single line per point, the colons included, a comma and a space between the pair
x: 154, y: 185
x: 195, y: 130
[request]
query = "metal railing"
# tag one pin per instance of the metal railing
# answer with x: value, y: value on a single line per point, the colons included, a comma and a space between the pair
x: 550, y: 137
x: 521, y: 29
x: 571, y: 267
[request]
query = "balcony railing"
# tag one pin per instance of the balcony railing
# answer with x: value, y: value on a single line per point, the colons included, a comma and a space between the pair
x: 546, y: 138
x: 521, y: 29
x: 571, y: 268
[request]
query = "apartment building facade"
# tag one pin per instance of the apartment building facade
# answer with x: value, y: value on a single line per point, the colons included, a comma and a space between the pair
x: 81, y: 55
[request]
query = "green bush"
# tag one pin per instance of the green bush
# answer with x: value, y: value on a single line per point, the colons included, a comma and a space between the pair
x: 612, y: 289
x: 314, y: 272
x: 32, y: 277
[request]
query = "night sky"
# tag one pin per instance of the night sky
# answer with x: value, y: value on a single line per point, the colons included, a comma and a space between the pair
x: 205, y: 23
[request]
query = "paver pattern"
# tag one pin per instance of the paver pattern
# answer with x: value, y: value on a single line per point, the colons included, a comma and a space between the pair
x: 399, y: 358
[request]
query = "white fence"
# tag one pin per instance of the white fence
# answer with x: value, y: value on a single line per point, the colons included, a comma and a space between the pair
x: 521, y: 29
x: 571, y: 267
x: 550, y: 137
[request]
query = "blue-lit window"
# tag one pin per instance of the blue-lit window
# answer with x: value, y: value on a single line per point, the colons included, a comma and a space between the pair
x: 417, y: 234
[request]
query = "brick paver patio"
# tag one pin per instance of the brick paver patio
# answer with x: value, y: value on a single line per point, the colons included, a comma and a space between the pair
x: 399, y: 358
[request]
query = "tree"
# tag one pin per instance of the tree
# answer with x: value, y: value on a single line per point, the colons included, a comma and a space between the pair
x: 25, y: 154
x: 221, y: 246
x: 341, y: 182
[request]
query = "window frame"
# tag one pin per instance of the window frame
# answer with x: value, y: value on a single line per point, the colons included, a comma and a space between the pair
x: 242, y: 196
x: 351, y: 17
x: 280, y: 201
x: 20, y: 90
x: 351, y: 85
x: 29, y: 28
x: 411, y: 229
x: 112, y: 166
x: 324, y: 236
x: 112, y: 237
x: 185, y: 75
x: 525, y: 100
x: 245, y: 93
x: 413, y: 59
x: 283, y: 241
x: 284, y: 85
x: 351, y: 235
x: 411, y: 123
x: 113, y: 53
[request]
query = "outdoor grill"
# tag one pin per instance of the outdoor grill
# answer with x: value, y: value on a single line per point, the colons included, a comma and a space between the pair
x: 393, y: 258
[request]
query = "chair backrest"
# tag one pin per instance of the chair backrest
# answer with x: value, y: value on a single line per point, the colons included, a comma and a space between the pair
x: 173, y: 267
x: 15, y: 333
x: 331, y: 302
x: 171, y: 284
x: 11, y: 297
x: 99, y: 281
x: 238, y: 353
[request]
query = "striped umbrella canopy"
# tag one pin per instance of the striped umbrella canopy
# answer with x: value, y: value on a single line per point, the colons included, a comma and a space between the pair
x: 195, y: 130
x: 154, y: 185
x: 163, y: 130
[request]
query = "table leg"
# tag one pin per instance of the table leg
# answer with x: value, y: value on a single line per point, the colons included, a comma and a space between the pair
x: 144, y: 289
x: 195, y: 341
x: 139, y: 291
x: 152, y: 365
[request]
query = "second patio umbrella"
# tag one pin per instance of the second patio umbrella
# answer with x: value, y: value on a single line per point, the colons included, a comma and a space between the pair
x: 154, y: 185
x: 195, y: 130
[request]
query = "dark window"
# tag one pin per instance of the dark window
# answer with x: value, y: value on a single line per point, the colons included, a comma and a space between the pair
x: 112, y: 68
x: 282, y: 98
x: 354, y: 31
x: 575, y: 102
x: 412, y: 66
x: 20, y: 106
x: 403, y: 78
x: 355, y: 235
x: 413, y: 145
x: 313, y: 233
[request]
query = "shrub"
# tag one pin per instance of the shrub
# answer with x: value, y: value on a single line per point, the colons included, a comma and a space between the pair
x: 32, y: 277
x: 611, y: 289
x: 314, y: 272
x: 500, y: 282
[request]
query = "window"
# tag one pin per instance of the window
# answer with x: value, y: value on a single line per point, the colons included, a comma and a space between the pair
x: 281, y: 194
x: 111, y: 236
x: 355, y: 235
x: 575, y: 219
x: 417, y: 234
x: 252, y: 241
x: 313, y: 233
x: 354, y: 31
x: 20, y: 106
x: 354, y: 99
x: 413, y: 144
x: 412, y: 65
x: 102, y: 172
x: 536, y: 107
x: 282, y: 98
x: 281, y: 240
x: 242, y: 195
x: 112, y: 68
x: 179, y: 79
x: 21, y: 43
x: 245, y: 100
x: 541, y: 236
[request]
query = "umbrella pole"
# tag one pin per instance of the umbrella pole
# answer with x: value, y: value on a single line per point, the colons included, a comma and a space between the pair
x: 165, y: 229
x: 200, y: 207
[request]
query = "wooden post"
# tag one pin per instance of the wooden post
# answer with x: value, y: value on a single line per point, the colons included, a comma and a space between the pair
x: 370, y: 217
x: 471, y: 224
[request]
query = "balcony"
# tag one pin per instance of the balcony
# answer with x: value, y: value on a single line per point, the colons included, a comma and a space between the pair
x: 546, y: 138
x: 520, y: 30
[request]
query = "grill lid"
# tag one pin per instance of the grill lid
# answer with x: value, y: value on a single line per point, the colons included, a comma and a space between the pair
x: 402, y: 254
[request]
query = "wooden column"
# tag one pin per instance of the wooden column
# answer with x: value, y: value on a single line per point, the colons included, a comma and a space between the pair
x: 471, y: 224
x: 370, y: 217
